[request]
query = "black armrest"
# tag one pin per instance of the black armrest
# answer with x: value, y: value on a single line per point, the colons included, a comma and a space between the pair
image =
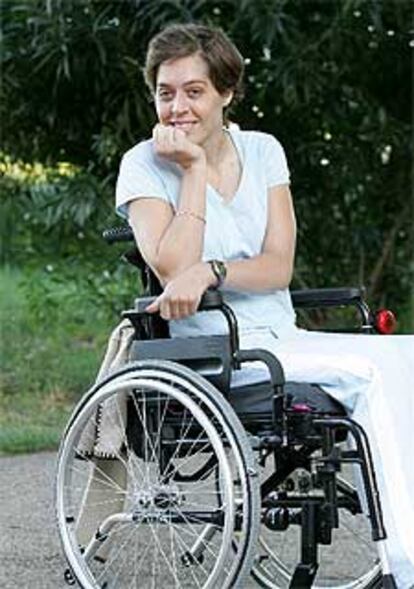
x: 327, y: 297
x: 317, y: 298
x: 211, y: 300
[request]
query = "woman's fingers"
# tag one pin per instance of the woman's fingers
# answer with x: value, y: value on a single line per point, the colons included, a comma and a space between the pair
x: 164, y: 136
x: 170, y: 142
x: 172, y: 307
x: 180, y: 298
x: 154, y: 306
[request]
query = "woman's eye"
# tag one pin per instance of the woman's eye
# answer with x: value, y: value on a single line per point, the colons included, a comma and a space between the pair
x: 194, y: 93
x: 164, y: 95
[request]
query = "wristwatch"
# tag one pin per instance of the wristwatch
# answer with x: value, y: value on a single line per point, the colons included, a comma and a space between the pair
x: 219, y: 270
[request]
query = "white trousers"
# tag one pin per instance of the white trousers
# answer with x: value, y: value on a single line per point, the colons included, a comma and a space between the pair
x: 373, y: 377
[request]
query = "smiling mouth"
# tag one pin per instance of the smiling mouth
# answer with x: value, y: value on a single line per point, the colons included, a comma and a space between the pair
x: 183, y: 125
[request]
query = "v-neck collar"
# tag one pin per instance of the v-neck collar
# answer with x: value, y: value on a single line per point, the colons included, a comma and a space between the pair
x: 237, y: 147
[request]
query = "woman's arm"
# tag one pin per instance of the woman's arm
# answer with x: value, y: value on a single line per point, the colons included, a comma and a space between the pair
x: 171, y: 243
x: 273, y: 268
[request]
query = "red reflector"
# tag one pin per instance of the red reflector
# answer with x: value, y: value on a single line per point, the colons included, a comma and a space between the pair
x: 385, y: 321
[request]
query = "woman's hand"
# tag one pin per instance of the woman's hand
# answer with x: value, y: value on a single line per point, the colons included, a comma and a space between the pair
x: 182, y: 295
x: 173, y: 144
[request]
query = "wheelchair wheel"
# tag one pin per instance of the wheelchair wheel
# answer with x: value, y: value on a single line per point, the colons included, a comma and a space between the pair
x: 180, y: 485
x: 350, y: 562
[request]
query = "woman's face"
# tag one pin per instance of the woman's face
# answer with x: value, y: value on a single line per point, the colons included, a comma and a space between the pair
x: 185, y: 98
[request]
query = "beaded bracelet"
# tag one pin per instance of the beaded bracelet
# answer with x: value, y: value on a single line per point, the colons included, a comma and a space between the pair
x: 185, y: 212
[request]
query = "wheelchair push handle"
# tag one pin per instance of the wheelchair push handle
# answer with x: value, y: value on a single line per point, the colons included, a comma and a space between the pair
x: 118, y: 234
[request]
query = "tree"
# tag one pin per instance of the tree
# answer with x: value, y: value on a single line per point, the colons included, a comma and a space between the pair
x: 329, y: 78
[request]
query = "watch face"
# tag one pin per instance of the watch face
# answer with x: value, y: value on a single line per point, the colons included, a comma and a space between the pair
x: 222, y: 270
x: 219, y: 270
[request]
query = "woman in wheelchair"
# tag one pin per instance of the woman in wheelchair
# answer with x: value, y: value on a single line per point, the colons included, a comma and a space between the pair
x: 210, y: 208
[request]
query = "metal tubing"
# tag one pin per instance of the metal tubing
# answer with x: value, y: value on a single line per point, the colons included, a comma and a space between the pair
x: 200, y: 544
x: 367, y: 468
x: 103, y: 530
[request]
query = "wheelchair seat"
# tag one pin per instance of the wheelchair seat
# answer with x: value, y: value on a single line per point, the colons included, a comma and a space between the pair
x: 255, y: 407
x: 257, y: 398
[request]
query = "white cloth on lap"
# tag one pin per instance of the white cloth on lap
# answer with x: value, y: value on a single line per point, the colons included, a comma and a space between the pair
x: 373, y: 377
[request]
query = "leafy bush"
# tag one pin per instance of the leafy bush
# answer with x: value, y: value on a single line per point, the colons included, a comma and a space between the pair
x: 53, y: 212
x: 321, y: 76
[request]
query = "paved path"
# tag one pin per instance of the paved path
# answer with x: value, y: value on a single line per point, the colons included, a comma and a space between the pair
x: 30, y: 554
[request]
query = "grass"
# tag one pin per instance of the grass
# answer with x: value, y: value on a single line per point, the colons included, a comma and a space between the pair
x: 30, y: 438
x: 51, y: 347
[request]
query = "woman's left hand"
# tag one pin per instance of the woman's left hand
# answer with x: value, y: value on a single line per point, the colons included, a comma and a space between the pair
x: 182, y: 295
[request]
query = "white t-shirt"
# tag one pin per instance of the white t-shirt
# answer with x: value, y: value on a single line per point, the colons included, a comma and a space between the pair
x: 234, y: 230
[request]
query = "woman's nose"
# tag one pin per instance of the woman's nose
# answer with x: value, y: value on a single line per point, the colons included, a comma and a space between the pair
x: 179, y: 104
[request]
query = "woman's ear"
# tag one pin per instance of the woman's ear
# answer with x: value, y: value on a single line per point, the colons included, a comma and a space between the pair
x: 228, y: 98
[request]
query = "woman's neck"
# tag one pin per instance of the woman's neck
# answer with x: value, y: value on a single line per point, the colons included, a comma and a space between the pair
x: 215, y: 148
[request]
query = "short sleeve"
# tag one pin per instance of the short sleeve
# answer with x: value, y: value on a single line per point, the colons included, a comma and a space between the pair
x: 276, y: 167
x: 137, y: 179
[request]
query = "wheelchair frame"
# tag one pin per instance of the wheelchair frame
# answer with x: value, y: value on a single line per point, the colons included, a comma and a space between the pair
x: 291, y: 433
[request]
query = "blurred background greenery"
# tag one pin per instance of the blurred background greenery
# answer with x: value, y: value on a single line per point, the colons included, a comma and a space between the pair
x: 331, y: 79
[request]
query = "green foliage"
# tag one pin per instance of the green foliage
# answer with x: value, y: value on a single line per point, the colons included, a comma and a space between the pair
x: 53, y: 339
x: 329, y: 78
x: 52, y: 219
x: 49, y: 341
x: 50, y: 211
x: 70, y: 73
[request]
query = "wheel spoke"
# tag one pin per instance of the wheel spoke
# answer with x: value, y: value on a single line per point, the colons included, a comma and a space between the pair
x: 164, y: 436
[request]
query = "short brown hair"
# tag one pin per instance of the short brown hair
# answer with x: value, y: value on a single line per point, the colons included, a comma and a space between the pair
x: 225, y: 64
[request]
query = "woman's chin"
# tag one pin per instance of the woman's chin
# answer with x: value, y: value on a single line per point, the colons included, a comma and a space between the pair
x: 193, y: 136
x: 191, y: 131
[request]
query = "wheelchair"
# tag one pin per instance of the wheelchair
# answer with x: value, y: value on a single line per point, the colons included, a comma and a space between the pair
x: 255, y: 485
